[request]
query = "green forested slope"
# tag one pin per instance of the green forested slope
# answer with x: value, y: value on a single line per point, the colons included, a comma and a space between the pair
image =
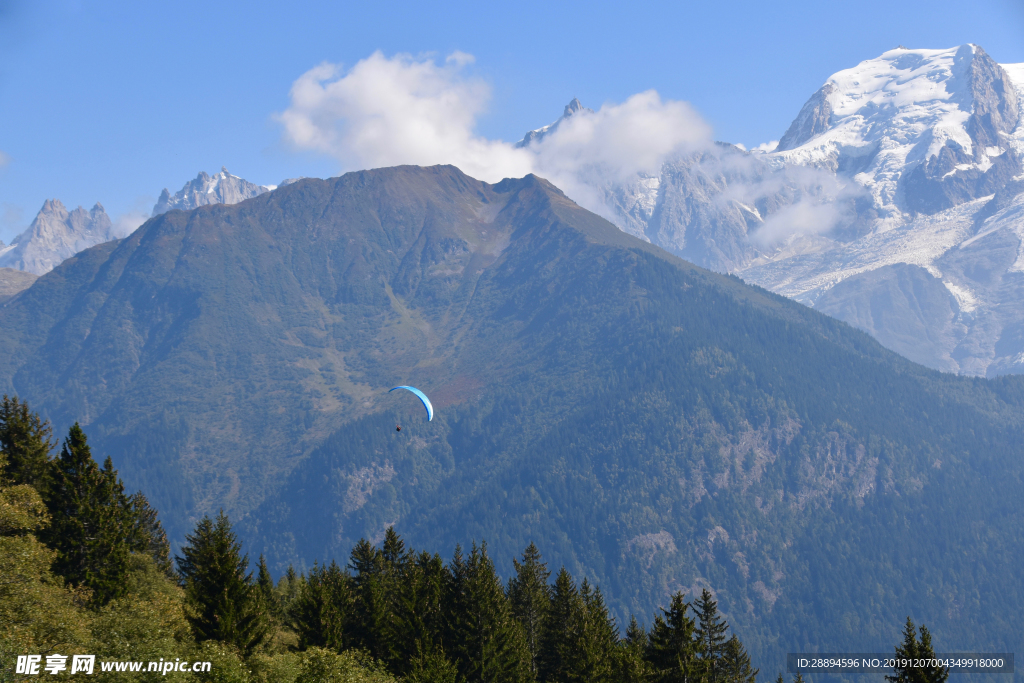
x: 649, y: 424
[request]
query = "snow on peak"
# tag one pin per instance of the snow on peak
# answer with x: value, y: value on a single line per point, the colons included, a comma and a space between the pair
x: 220, y: 188
x: 951, y: 109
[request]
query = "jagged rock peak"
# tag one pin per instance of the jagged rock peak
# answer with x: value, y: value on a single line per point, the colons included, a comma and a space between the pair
x: 574, y: 107
x: 221, y: 188
x: 55, y: 235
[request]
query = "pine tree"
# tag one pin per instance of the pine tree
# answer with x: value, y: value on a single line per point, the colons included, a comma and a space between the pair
x: 423, y: 614
x: 321, y: 614
x: 597, y: 650
x: 710, y: 636
x: 265, y: 582
x: 671, y: 650
x: 483, y: 639
x: 530, y: 597
x: 735, y: 663
x: 562, y: 630
x: 367, y: 564
x: 383, y: 591
x: 911, y: 648
x: 631, y: 665
x: 25, y: 441
x: 287, y: 591
x: 91, y: 521
x: 223, y: 602
x: 146, y: 534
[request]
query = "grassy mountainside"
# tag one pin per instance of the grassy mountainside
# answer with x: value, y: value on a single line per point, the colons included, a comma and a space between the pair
x: 647, y: 423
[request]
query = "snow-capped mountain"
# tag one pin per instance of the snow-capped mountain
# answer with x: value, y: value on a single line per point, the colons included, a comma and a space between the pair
x: 894, y: 201
x: 922, y: 130
x: 56, y: 234
x: 221, y: 188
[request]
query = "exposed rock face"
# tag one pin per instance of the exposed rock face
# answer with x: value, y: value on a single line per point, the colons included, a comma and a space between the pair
x: 813, y: 120
x: 221, y: 188
x: 14, y: 281
x: 57, y: 234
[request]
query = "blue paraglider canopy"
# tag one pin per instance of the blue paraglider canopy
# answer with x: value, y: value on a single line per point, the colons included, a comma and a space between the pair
x: 422, y: 397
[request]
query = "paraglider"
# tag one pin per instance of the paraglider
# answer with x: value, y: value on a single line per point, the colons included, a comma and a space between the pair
x: 423, y: 398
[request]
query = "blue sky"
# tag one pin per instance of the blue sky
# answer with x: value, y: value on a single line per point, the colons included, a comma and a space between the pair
x: 111, y: 102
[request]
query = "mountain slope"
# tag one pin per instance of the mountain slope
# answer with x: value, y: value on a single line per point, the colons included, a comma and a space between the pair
x: 14, y: 281
x: 650, y: 424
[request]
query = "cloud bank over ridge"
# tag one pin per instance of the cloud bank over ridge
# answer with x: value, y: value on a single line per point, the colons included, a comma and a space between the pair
x: 386, y: 111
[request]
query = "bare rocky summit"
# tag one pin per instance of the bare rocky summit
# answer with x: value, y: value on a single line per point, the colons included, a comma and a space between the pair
x: 55, y: 235
x: 220, y: 188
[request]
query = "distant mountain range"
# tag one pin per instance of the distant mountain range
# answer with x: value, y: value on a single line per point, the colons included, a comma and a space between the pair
x: 57, y: 234
x: 651, y: 425
x: 894, y: 201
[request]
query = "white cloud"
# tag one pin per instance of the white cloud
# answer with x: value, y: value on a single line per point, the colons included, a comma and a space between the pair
x: 386, y: 112
x: 127, y: 223
x: 4, y: 160
x: 592, y: 150
x: 766, y: 146
x: 805, y: 217
x: 405, y: 110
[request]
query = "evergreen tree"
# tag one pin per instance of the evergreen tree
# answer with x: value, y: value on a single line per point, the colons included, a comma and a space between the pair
x: 91, y: 520
x: 423, y: 614
x: 367, y: 564
x: 265, y: 582
x: 383, y: 591
x: 25, y: 441
x: 321, y: 613
x: 912, y: 648
x: 223, y: 603
x: 146, y: 534
x: 631, y: 665
x: 709, y: 636
x: 562, y: 630
x: 483, y: 638
x: 735, y: 663
x: 287, y: 592
x: 671, y: 650
x: 530, y: 597
x: 597, y: 649
x: 579, y: 640
x: 432, y: 667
